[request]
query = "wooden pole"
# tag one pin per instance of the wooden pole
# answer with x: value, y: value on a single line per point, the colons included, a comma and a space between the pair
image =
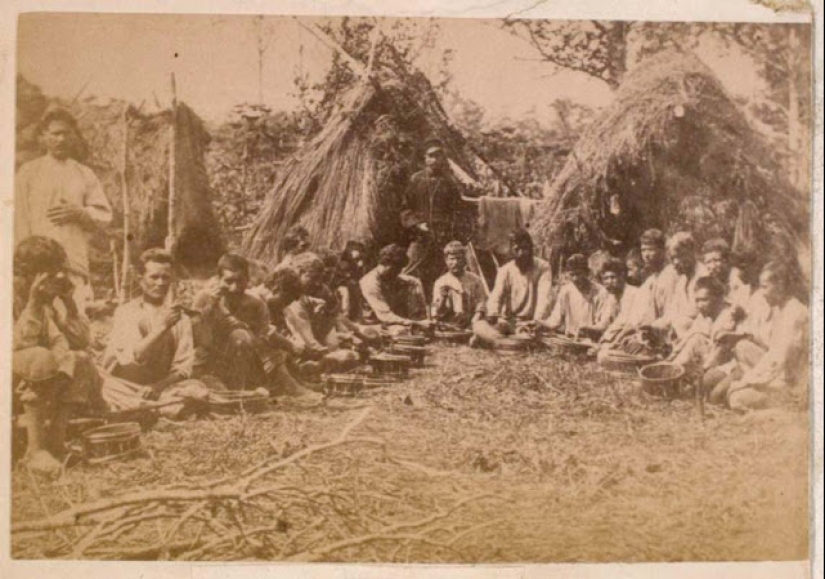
x: 124, y: 187
x: 170, y: 236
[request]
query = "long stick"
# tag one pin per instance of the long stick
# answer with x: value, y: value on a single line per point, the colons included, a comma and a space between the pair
x: 170, y: 236
x: 124, y: 186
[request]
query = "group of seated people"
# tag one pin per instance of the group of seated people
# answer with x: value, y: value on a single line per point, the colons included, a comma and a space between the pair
x: 319, y: 312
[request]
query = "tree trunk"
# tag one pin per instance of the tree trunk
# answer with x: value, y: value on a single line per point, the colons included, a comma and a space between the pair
x: 617, y: 50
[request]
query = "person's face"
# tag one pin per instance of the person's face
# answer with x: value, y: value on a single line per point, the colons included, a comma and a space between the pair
x: 772, y: 290
x: 455, y: 264
x: 612, y: 282
x: 579, y: 278
x: 156, y: 280
x: 356, y: 260
x: 232, y: 284
x: 706, y: 303
x: 716, y: 264
x: 652, y: 256
x: 683, y: 261
x: 311, y: 279
x: 634, y: 269
x: 523, y: 254
x: 57, y: 139
x: 435, y: 159
x: 57, y: 283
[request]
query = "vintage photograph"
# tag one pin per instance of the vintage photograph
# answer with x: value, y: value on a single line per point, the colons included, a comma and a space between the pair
x: 410, y: 290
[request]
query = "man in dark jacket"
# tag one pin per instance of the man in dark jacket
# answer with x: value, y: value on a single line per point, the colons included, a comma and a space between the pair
x: 432, y: 214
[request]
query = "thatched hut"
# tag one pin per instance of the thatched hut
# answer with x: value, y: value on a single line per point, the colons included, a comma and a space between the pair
x: 672, y: 151
x: 198, y: 242
x: 346, y: 183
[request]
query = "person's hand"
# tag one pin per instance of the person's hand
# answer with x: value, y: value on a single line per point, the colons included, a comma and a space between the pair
x: 502, y: 325
x: 153, y: 392
x: 171, y: 317
x: 38, y: 292
x: 65, y: 213
x: 423, y: 227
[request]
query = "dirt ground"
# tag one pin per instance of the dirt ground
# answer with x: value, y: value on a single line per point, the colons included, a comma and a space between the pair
x: 554, y: 460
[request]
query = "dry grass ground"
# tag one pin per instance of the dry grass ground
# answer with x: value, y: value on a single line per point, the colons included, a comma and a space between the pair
x: 555, y: 462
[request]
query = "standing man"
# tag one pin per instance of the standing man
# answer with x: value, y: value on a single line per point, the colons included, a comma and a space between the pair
x: 432, y: 214
x: 57, y: 197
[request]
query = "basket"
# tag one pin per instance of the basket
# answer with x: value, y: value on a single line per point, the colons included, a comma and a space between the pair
x: 391, y: 364
x: 110, y: 442
x: 618, y: 361
x: 234, y: 402
x: 662, y: 379
x: 514, y: 344
x: 415, y: 353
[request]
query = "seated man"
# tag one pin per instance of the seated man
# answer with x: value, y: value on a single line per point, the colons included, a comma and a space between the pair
x: 351, y: 270
x: 396, y: 300
x: 582, y: 307
x: 52, y: 372
x: 623, y: 303
x: 458, y: 295
x: 704, y: 350
x: 673, y: 294
x: 296, y: 241
x: 151, y: 342
x: 716, y: 263
x: 231, y: 334
x: 521, y: 293
x: 314, y: 318
x: 654, y: 271
x: 771, y: 352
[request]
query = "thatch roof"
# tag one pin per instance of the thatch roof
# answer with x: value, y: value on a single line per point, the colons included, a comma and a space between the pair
x: 346, y: 183
x: 680, y: 154
x: 198, y: 239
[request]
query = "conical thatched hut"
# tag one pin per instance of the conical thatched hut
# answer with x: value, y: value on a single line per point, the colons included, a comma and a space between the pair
x: 198, y: 242
x: 673, y: 151
x: 346, y: 183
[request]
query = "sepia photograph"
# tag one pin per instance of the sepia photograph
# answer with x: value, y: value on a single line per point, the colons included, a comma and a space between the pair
x: 404, y: 290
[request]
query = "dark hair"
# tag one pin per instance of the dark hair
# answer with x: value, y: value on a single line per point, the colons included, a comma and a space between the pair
x: 155, y: 255
x: 521, y: 238
x: 38, y: 254
x: 57, y: 114
x: 234, y: 263
x: 782, y: 272
x: 284, y: 280
x: 635, y: 256
x: 614, y: 265
x: 710, y: 284
x: 576, y: 262
x: 393, y: 255
x: 307, y: 262
x: 293, y: 236
x: 653, y: 237
x: 716, y: 244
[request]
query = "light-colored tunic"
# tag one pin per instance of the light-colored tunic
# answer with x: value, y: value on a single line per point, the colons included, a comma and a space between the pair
x: 630, y: 311
x: 396, y: 303
x: 521, y: 295
x: 47, y: 182
x: 467, y: 293
x: 133, y: 321
x: 575, y: 309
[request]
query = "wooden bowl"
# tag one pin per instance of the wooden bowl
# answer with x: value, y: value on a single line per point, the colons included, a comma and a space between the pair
x: 111, y: 442
x: 415, y: 353
x: 237, y: 401
x: 391, y: 364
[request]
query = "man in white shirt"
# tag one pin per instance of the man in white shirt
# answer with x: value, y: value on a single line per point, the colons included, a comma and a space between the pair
x: 151, y: 343
x: 624, y: 307
x: 57, y: 197
x: 582, y: 308
x: 521, y: 293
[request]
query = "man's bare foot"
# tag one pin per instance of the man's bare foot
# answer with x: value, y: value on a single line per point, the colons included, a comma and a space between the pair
x: 43, y: 463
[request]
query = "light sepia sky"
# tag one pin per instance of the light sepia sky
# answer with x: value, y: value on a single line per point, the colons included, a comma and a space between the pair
x: 131, y: 56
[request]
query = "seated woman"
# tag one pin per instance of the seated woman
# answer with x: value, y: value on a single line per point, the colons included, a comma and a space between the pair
x: 770, y: 352
x: 626, y: 305
x: 151, y: 343
x: 458, y: 295
x: 396, y: 300
x: 520, y: 296
x: 52, y: 372
x: 583, y: 308
x: 704, y: 349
